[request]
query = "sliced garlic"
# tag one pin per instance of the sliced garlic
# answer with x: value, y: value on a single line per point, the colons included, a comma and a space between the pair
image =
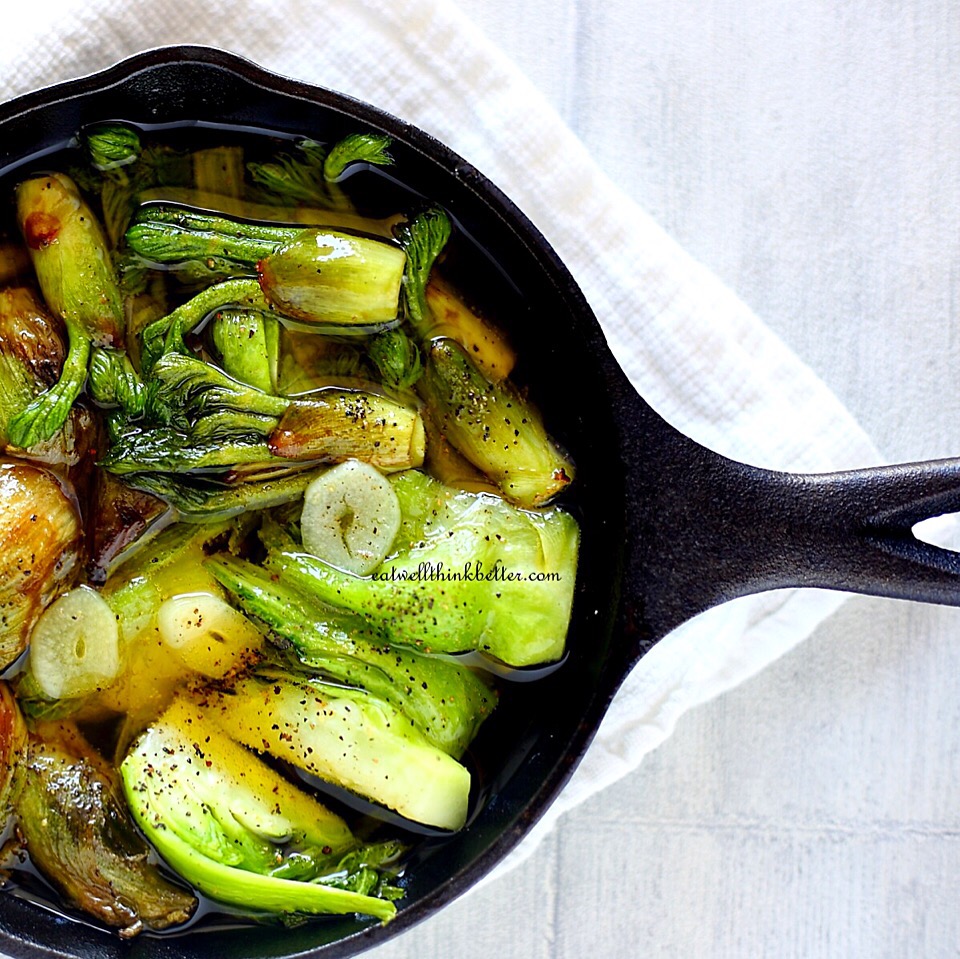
x: 75, y: 646
x: 351, y: 516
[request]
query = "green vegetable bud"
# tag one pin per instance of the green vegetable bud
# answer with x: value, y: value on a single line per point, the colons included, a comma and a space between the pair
x: 358, y: 147
x: 324, y: 276
x: 114, y: 382
x: 112, y: 145
x: 397, y: 358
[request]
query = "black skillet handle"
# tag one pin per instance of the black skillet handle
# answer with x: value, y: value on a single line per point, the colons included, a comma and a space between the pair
x: 703, y: 529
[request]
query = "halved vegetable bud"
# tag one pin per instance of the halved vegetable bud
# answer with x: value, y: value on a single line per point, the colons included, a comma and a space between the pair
x: 328, y: 277
x: 39, y: 542
x: 240, y: 832
x: 350, y: 738
x: 120, y: 516
x: 350, y: 516
x: 335, y: 425
x: 208, y: 634
x: 81, y: 838
x: 493, y: 426
x: 70, y: 256
x: 75, y: 646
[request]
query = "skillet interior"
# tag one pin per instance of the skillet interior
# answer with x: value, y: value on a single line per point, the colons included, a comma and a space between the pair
x: 527, y: 751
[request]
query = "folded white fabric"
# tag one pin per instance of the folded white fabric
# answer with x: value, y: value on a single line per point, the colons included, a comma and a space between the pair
x: 694, y: 351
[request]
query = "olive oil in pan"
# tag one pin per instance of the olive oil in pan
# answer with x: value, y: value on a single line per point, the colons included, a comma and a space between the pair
x: 205, y: 167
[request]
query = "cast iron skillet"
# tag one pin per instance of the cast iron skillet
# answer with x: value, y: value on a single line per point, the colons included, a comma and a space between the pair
x: 669, y: 528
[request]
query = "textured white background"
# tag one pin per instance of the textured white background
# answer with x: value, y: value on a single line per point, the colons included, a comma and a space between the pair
x: 806, y: 152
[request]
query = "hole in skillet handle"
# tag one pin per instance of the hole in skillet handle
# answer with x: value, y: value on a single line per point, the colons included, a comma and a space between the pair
x: 941, y: 531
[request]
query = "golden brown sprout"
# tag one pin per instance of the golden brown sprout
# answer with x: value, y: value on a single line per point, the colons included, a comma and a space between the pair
x: 80, y: 837
x: 13, y: 747
x: 39, y: 546
x: 336, y: 425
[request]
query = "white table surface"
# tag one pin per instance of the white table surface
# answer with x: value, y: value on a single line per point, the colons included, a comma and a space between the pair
x: 808, y: 153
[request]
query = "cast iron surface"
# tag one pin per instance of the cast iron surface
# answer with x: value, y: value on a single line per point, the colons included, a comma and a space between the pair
x: 669, y: 528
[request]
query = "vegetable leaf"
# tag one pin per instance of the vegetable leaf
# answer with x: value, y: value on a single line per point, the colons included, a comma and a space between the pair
x: 112, y: 145
x: 295, y: 177
x: 356, y: 148
x: 397, y: 358
x: 422, y: 239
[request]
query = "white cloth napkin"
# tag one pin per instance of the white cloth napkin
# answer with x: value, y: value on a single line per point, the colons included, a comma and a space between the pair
x: 694, y: 351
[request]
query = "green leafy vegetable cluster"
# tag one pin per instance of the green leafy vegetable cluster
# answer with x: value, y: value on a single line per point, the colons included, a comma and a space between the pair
x: 262, y: 455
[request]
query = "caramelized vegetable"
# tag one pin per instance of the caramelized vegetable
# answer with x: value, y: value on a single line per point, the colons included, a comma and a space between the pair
x: 120, y: 516
x: 13, y: 749
x: 39, y: 543
x: 335, y: 425
x: 31, y: 351
x: 79, y: 836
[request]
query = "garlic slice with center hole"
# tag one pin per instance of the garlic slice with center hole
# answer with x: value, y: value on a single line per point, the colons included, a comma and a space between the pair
x: 350, y: 518
x: 75, y: 646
